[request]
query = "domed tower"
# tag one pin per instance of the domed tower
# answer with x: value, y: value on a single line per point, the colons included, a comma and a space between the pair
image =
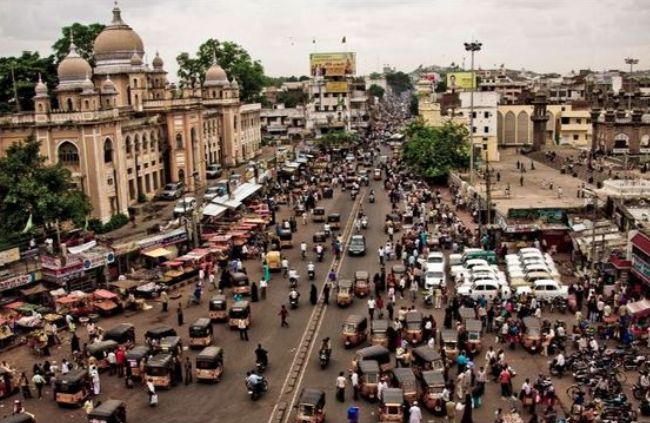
x: 72, y: 71
x: 41, y: 97
x: 216, y: 80
x: 108, y: 94
x: 158, y: 79
x: 119, y: 51
x: 89, y: 96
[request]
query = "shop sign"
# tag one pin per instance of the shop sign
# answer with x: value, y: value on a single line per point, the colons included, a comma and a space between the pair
x: 92, y: 261
x: 125, y: 248
x: 640, y: 266
x: 59, y: 263
x: 173, y: 237
x: 9, y: 256
x: 18, y: 281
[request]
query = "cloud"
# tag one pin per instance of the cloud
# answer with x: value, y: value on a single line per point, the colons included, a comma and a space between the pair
x: 544, y: 35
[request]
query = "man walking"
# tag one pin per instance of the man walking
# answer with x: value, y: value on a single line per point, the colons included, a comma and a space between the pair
x: 283, y: 316
x: 326, y: 293
x: 179, y: 315
x: 243, y: 329
x: 354, y: 378
x: 340, y: 387
x: 188, y: 371
x: 371, y: 307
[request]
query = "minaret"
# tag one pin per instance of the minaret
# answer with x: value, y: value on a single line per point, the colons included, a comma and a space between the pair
x: 539, y: 119
x: 41, y: 98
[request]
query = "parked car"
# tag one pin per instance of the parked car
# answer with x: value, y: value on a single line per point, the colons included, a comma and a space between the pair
x: 357, y: 245
x: 546, y: 290
x: 213, y: 171
x: 171, y: 191
x: 486, y: 288
x: 184, y: 206
x: 213, y: 192
x: 434, y: 278
x: 435, y: 259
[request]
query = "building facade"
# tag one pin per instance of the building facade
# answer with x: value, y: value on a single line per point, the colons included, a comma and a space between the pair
x: 484, y: 121
x: 123, y: 131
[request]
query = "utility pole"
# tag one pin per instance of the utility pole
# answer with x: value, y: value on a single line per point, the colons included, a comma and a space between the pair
x: 472, y: 47
x: 630, y: 61
x: 594, y: 216
x: 488, y: 191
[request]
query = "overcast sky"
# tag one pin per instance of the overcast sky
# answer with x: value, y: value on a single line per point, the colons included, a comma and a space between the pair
x: 542, y: 35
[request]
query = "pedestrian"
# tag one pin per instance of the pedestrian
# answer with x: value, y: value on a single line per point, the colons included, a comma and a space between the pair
x: 179, y: 315
x: 254, y: 296
x: 379, y: 304
x: 354, y: 380
x: 74, y: 343
x: 391, y: 310
x: 212, y: 281
x: 521, y: 180
x: 340, y: 387
x: 120, y: 358
x: 263, y: 285
x: 188, y: 371
x: 371, y: 307
x: 24, y: 386
x: 415, y: 414
x: 243, y: 329
x: 111, y: 358
x: 164, y: 299
x: 151, y: 391
x: 313, y: 294
x: 505, y: 379
x: 498, y: 176
x: 326, y: 293
x: 39, y: 383
x: 283, y: 316
x: 467, y: 411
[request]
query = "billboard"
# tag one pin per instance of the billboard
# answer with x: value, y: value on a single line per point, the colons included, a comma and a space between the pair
x: 460, y: 80
x: 336, y: 87
x: 332, y: 64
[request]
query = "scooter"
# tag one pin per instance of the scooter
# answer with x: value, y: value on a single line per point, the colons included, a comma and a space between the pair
x: 311, y: 274
x: 293, y: 301
x: 324, y: 356
x: 371, y: 198
x: 256, y: 391
x: 364, y: 222
x: 260, y: 366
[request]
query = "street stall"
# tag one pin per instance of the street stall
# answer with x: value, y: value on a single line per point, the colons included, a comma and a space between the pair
x: 105, y: 302
x: 75, y: 303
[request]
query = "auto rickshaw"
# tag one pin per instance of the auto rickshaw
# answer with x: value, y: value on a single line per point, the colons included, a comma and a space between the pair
x: 334, y: 220
x: 171, y: 345
x: 19, y: 418
x: 134, y: 358
x: 355, y: 330
x: 376, y: 175
x: 274, y: 261
x: 361, y: 283
x: 531, y: 338
x: 72, y: 388
x: 368, y: 378
x: 405, y: 380
x: 390, y: 408
x: 209, y: 364
x: 318, y: 215
x: 319, y: 237
x: 109, y: 411
x: 449, y: 343
x: 241, y: 284
x: 432, y: 383
x: 474, y: 329
x: 396, y: 273
x: 378, y: 330
x: 425, y: 359
x: 286, y: 238
x: 153, y: 336
x: 344, y: 293
x: 218, y: 308
x: 311, y: 406
x: 201, y: 333
x: 160, y: 369
x: 123, y: 334
x: 466, y: 313
x: 413, y: 327
x: 377, y: 353
x: 241, y: 310
x: 98, y: 352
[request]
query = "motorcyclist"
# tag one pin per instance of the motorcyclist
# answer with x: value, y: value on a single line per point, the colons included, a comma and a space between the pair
x: 253, y: 381
x: 326, y: 345
x: 261, y: 355
x: 644, y: 381
x: 319, y: 251
x: 293, y: 294
x: 559, y: 362
x: 327, y: 228
x: 293, y: 275
x: 303, y: 249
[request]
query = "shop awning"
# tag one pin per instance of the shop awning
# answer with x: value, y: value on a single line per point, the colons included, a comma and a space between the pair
x: 214, y: 210
x: 639, y: 309
x: 226, y: 201
x: 245, y: 190
x: 126, y: 284
x: 38, y: 289
x: 157, y: 252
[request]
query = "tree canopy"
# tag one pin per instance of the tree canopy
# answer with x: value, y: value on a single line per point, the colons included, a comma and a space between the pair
x: 336, y: 139
x: 30, y: 187
x: 292, y: 98
x: 376, y: 90
x: 84, y: 38
x: 432, y: 152
x: 26, y: 68
x: 232, y: 58
x: 399, y: 82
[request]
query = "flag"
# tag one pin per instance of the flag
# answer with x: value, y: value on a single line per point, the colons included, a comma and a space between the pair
x: 343, y: 40
x: 29, y: 225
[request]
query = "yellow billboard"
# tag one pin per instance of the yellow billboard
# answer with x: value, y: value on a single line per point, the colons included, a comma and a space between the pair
x: 460, y: 81
x: 336, y: 87
x: 332, y: 64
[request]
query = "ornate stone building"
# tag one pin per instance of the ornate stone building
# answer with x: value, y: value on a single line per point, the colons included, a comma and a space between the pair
x: 124, y: 131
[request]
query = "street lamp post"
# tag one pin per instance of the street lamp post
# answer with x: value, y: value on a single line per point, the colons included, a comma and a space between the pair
x: 472, y: 47
x: 630, y: 61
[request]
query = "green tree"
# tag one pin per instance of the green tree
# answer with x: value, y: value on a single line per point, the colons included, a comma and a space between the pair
x: 375, y: 75
x: 336, y: 139
x: 292, y: 98
x: 414, y: 106
x: 399, y: 82
x: 30, y: 187
x: 433, y: 152
x: 232, y: 58
x: 84, y: 38
x: 441, y: 87
x: 26, y: 69
x: 376, y: 90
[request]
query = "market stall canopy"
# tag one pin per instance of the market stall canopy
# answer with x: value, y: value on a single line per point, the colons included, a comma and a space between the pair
x: 35, y: 290
x: 245, y: 190
x: 226, y: 201
x: 157, y: 252
x: 214, y: 210
x: 78, y: 249
x: 126, y: 284
x: 639, y: 309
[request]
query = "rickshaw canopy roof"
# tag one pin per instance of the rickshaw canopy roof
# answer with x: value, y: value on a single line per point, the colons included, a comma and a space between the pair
x: 425, y: 353
x: 210, y: 352
x: 361, y: 274
x: 138, y: 352
x: 96, y: 347
x: 532, y: 322
x: 369, y: 366
x: 345, y: 283
x: 404, y: 374
x: 311, y: 396
x: 239, y: 276
x: 392, y: 396
x: 449, y: 335
x: 160, y: 360
x: 334, y: 217
x: 373, y: 351
x: 18, y: 418
x: 467, y: 313
x: 170, y: 340
x: 240, y: 305
x: 473, y: 325
x: 355, y: 319
x: 273, y: 255
x: 73, y: 376
x: 319, y: 210
x: 218, y: 299
x: 120, y: 329
x: 160, y: 331
x: 380, y: 325
x: 202, y: 322
x: 413, y: 316
x: 106, y: 408
x: 433, y: 377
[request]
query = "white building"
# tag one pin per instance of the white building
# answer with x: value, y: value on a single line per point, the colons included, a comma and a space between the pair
x: 484, y: 131
x: 337, y: 105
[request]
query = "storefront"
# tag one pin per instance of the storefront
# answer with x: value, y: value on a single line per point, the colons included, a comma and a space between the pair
x: 640, y: 258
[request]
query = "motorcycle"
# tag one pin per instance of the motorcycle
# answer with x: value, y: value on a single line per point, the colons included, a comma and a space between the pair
x: 639, y: 391
x: 256, y: 391
x: 320, y: 255
x: 324, y: 356
x: 260, y: 366
x: 293, y: 301
x: 554, y: 369
x: 311, y: 274
x: 371, y: 198
x: 353, y: 194
x: 364, y: 222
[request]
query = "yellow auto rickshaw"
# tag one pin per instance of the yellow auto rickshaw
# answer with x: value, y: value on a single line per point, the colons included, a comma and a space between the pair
x: 134, y: 359
x: 531, y: 337
x: 413, y: 327
x: 334, y: 220
x: 318, y: 215
x: 159, y: 369
x: 390, y: 408
x: 98, y: 353
x: 474, y: 329
x: 425, y: 358
x: 209, y: 364
x: 171, y: 345
x: 201, y: 333
x: 432, y: 384
x: 240, y: 283
x: 344, y: 293
x: 311, y: 406
x: 286, y: 238
x: 109, y: 411
x: 19, y: 418
x: 449, y: 344
x: 369, y: 374
x: 241, y: 310
x: 361, y: 283
x: 376, y: 174
x: 404, y: 379
x: 72, y: 388
x: 218, y: 308
x: 274, y: 261
x: 355, y: 330
x: 375, y: 353
x: 123, y: 334
x: 379, y: 332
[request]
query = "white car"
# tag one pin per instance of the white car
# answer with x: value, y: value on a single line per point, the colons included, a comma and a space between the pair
x: 456, y: 259
x: 519, y: 272
x: 184, y: 206
x: 483, y: 288
x: 436, y: 259
x: 457, y: 271
x: 434, y: 278
x: 545, y: 290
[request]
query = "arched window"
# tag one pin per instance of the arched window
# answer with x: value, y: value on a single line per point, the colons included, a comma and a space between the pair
x: 135, y: 83
x: 40, y: 107
x: 145, y: 143
x: 179, y: 141
x: 86, y: 104
x: 69, y: 103
x: 621, y: 141
x: 108, y: 151
x: 509, y: 128
x: 137, y: 101
x: 136, y: 141
x: 522, y: 127
x: 68, y: 154
x: 129, y: 147
x: 181, y: 175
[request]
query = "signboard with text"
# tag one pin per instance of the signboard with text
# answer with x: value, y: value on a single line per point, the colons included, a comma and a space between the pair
x: 336, y: 87
x: 9, y: 256
x: 460, y: 80
x: 332, y: 64
x: 18, y: 281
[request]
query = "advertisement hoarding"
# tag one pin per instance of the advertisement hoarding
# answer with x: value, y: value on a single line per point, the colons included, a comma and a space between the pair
x: 460, y: 80
x: 332, y: 64
x: 336, y: 87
